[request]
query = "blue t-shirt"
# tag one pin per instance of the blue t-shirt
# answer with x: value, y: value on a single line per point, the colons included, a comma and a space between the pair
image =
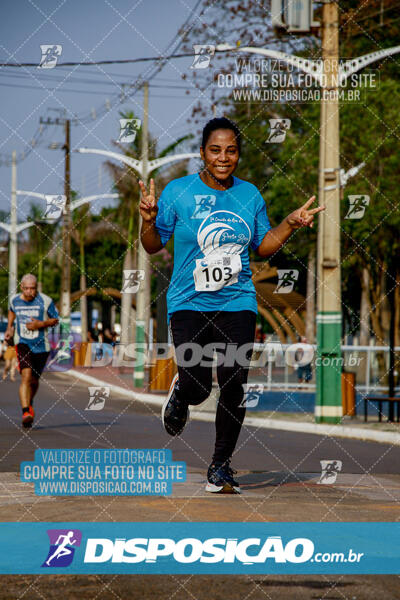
x: 42, y: 308
x: 212, y: 232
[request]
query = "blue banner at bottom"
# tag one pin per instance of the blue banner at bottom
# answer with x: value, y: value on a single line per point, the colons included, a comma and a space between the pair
x: 200, y: 548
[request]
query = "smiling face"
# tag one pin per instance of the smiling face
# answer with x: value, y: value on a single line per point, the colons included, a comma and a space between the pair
x: 220, y: 155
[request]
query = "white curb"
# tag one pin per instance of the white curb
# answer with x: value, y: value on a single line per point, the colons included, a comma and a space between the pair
x: 346, y: 431
x: 116, y: 389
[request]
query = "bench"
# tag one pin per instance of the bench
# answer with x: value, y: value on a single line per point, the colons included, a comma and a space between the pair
x: 379, y: 400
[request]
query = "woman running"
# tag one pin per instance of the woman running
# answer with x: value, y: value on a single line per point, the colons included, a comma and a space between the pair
x: 211, y: 298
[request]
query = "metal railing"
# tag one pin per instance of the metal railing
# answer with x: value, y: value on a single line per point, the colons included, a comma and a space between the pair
x: 370, y: 364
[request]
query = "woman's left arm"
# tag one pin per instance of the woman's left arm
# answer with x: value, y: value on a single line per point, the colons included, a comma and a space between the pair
x: 276, y: 237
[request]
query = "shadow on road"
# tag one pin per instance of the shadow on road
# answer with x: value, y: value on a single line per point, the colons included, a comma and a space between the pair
x: 259, y: 480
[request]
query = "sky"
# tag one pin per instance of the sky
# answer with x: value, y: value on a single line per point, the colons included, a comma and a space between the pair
x: 86, y: 30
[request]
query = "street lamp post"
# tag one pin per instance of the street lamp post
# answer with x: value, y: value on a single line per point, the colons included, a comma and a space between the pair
x: 13, y: 260
x: 328, y: 405
x: 65, y: 300
x: 143, y: 296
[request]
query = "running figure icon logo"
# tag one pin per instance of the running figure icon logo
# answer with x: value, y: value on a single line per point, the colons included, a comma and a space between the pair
x: 132, y: 279
x: 357, y: 206
x: 330, y: 470
x: 203, y: 54
x: 252, y: 393
x: 97, y: 397
x: 63, y: 543
x: 204, y: 205
x: 128, y: 130
x: 62, y: 355
x: 278, y: 129
x: 55, y: 206
x: 50, y: 54
x: 286, y: 280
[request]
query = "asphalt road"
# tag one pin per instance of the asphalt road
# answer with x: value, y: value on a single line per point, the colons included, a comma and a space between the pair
x: 278, y: 472
x: 62, y: 421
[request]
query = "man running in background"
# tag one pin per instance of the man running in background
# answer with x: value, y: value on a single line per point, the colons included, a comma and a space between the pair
x: 32, y: 312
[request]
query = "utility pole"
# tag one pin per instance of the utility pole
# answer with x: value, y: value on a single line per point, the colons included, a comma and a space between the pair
x: 143, y: 293
x: 13, y: 249
x: 391, y: 282
x: 328, y: 406
x: 65, y: 297
x: 65, y: 300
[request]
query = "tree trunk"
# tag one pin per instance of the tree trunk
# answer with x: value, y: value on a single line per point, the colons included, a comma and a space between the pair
x: 127, y: 318
x: 84, y: 309
x: 376, y: 308
x: 310, y: 301
x: 40, y: 273
x: 163, y: 278
x: 83, y: 298
x: 397, y: 310
x: 378, y: 322
x: 364, y: 309
x: 40, y: 265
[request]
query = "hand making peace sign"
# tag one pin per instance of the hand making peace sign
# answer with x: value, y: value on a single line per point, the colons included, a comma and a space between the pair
x: 302, y: 217
x: 148, y: 203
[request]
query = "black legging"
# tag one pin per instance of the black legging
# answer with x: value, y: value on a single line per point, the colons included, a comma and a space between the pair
x: 195, y: 381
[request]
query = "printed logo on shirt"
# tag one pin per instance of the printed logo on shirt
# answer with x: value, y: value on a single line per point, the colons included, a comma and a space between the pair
x: 204, y: 204
x: 223, y: 232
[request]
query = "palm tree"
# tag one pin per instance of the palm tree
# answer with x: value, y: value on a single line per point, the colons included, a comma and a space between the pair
x: 79, y: 232
x: 86, y: 231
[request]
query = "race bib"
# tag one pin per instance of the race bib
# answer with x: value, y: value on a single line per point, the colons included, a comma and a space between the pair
x: 214, y: 272
x: 27, y: 333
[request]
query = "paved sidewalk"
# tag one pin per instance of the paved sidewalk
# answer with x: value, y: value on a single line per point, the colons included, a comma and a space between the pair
x: 121, y: 384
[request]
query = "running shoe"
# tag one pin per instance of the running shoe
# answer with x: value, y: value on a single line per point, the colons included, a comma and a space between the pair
x: 174, y: 413
x: 27, y: 417
x: 220, y: 479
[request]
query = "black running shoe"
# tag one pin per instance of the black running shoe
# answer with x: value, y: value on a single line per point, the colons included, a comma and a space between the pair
x: 220, y: 479
x: 174, y: 413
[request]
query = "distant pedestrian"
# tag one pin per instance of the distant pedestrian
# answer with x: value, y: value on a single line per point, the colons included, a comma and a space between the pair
x: 107, y: 339
x: 304, y: 372
x: 30, y: 314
